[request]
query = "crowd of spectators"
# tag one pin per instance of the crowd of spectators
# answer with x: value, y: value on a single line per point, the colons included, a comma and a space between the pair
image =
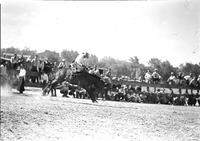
x: 118, y: 92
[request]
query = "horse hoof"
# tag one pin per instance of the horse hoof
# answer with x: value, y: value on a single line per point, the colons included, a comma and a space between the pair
x: 94, y: 101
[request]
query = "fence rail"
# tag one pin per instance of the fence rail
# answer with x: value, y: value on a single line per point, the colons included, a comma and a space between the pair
x: 135, y: 83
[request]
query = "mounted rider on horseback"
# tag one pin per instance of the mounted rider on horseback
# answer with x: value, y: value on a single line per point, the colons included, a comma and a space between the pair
x: 80, y: 63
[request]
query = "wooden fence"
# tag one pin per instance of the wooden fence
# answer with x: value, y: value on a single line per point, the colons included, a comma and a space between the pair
x: 121, y: 82
x: 135, y: 83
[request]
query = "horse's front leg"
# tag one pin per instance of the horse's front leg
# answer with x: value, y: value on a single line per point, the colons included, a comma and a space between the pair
x: 53, y: 91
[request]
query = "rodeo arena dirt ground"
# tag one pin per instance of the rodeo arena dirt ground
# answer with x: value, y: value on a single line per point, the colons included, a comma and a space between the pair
x: 31, y: 116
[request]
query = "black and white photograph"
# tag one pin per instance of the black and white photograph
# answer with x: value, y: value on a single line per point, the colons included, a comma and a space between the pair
x: 116, y: 70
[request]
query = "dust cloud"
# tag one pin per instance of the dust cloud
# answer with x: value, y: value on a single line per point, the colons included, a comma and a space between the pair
x: 6, y: 90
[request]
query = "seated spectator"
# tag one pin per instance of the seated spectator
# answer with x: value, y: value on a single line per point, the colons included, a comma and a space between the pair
x: 188, y: 78
x: 148, y: 76
x: 171, y: 79
x: 198, y: 84
x: 198, y: 80
x: 194, y: 82
x: 155, y: 76
x: 180, y: 78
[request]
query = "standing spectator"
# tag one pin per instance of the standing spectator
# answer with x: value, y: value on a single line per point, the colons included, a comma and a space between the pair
x: 48, y: 67
x: 28, y: 66
x: 44, y: 79
x: 35, y: 63
x: 22, y: 75
x: 14, y: 61
x: 14, y: 64
x: 21, y: 60
x: 35, y: 67
x: 40, y: 66
x: 180, y: 81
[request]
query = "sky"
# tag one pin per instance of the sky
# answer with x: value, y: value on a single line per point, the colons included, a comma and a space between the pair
x: 166, y: 29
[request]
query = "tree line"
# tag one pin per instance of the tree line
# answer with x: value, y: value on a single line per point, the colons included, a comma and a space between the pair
x: 131, y: 68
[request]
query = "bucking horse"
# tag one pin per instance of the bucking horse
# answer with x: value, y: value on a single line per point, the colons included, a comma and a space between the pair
x: 90, y: 82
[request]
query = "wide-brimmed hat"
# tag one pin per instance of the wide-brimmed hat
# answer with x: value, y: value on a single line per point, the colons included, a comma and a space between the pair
x: 86, y: 54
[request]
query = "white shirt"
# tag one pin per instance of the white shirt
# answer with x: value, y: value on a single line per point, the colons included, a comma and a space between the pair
x: 44, y: 77
x: 14, y: 60
x: 187, y: 77
x: 156, y: 75
x: 80, y: 59
x: 62, y: 64
x: 147, y: 76
x: 172, y: 77
x: 22, y: 72
x: 198, y: 79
